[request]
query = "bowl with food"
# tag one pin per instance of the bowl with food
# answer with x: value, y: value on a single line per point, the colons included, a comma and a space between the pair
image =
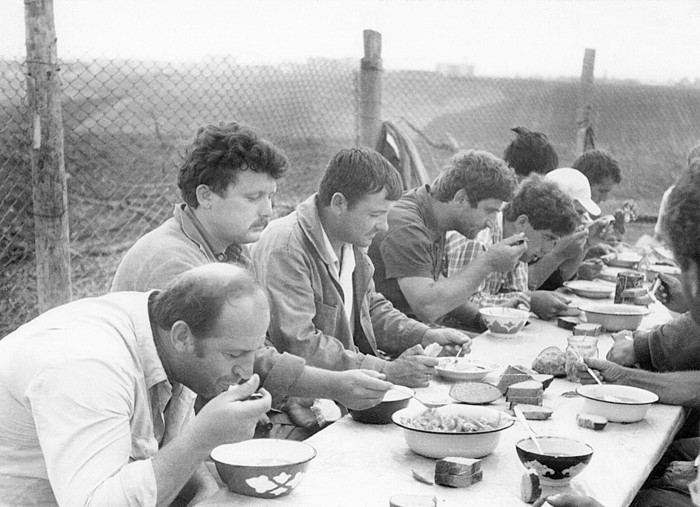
x: 561, y: 458
x: 625, y: 260
x: 617, y: 403
x: 262, y: 467
x: 592, y: 289
x: 467, y: 431
x: 615, y: 317
x: 394, y: 399
x: 504, y: 321
x: 463, y: 368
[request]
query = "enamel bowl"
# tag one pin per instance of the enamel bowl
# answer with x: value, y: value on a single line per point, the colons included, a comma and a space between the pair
x: 615, y: 317
x: 262, y: 467
x: 561, y: 460
x: 463, y: 369
x: 395, y: 399
x: 617, y: 403
x: 591, y: 289
x: 504, y: 321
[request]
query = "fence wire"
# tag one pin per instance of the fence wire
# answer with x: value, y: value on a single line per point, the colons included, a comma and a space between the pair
x: 127, y: 123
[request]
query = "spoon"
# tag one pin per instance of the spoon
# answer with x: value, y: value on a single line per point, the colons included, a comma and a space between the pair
x: 521, y: 417
x: 588, y: 369
x: 432, y: 404
x: 457, y: 356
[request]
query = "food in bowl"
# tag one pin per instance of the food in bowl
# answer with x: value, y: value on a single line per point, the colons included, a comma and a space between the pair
x: 262, y: 467
x: 463, y: 368
x: 615, y: 317
x: 591, y: 289
x: 474, y: 392
x: 617, y: 403
x: 454, y: 430
x: 395, y: 399
x: 504, y: 321
x: 561, y: 460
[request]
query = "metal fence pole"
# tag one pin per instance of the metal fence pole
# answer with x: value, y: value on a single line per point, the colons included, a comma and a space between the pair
x: 584, y: 135
x: 371, y: 89
x: 48, y: 170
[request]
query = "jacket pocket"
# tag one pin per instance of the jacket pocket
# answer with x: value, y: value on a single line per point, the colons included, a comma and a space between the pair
x: 326, y: 318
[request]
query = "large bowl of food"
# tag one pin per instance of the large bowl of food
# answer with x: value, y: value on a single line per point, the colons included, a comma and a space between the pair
x: 561, y: 458
x: 592, y: 289
x: 262, y: 467
x: 615, y: 317
x: 395, y: 399
x: 617, y: 403
x: 504, y: 321
x: 463, y: 368
x: 454, y: 430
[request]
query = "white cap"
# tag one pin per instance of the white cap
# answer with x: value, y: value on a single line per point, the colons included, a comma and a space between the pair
x: 574, y: 184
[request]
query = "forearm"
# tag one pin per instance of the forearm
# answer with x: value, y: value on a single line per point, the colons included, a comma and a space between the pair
x: 201, y: 485
x: 173, y: 464
x: 394, y: 331
x: 673, y: 388
x: 539, y: 271
x: 320, y: 383
x: 437, y: 298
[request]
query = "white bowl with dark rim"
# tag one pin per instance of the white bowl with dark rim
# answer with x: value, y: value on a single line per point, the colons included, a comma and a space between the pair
x: 463, y: 368
x: 592, y: 289
x: 440, y: 443
x: 617, y: 403
x: 615, y: 317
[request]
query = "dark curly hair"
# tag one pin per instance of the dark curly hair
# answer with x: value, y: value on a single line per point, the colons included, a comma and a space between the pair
x: 481, y: 175
x: 356, y: 172
x: 682, y: 216
x: 530, y: 152
x: 545, y: 205
x: 598, y: 165
x: 219, y: 153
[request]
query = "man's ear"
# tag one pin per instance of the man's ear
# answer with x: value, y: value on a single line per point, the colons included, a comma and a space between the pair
x: 204, y: 195
x: 521, y: 222
x: 461, y: 198
x: 181, y: 336
x: 339, y: 204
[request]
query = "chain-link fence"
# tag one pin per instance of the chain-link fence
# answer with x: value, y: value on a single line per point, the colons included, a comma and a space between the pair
x: 127, y: 123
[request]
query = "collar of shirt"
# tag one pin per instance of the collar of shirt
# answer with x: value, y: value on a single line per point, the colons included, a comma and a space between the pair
x: 233, y: 253
x: 343, y: 269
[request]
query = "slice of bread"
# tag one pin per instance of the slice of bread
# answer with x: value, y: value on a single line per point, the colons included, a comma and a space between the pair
x: 475, y: 393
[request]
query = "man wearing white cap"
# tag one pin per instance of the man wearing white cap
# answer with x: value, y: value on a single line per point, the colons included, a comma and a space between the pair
x: 566, y: 260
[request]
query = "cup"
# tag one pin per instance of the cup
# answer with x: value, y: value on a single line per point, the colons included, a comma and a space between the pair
x: 579, y: 346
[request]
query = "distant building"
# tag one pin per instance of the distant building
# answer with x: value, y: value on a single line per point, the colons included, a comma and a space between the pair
x: 456, y: 69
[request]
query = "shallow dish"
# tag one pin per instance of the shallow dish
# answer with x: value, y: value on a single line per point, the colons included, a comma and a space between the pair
x: 262, y: 467
x: 464, y: 369
x: 395, y: 399
x: 563, y: 458
x: 439, y: 443
x: 625, y: 260
x: 617, y: 403
x: 504, y: 321
x: 615, y: 317
x: 591, y: 289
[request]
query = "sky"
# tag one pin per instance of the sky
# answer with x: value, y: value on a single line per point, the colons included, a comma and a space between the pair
x: 654, y: 41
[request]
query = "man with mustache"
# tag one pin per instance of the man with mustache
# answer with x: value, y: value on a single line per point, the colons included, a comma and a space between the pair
x: 314, y: 266
x: 409, y: 256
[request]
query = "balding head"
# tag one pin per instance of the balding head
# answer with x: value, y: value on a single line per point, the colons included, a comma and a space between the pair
x: 197, y: 296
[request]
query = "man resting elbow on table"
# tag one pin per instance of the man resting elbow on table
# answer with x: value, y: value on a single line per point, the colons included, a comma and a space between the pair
x: 314, y: 266
x: 408, y: 258
x: 541, y: 213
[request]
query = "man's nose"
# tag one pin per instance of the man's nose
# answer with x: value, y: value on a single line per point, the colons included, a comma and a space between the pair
x: 266, y: 207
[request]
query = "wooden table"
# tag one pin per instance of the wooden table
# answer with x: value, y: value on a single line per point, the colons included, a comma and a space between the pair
x: 364, y: 465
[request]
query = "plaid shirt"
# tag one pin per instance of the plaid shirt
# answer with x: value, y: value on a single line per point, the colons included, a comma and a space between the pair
x: 498, y: 289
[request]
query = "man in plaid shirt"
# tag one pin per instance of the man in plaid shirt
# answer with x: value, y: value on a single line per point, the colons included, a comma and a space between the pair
x: 543, y: 213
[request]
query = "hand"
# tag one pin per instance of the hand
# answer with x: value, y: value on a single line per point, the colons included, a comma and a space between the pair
x: 452, y: 340
x: 230, y: 416
x: 590, y: 269
x: 568, y: 500
x: 622, y: 353
x: 360, y: 389
x: 572, y: 245
x: 504, y: 255
x: 600, y: 250
x: 547, y: 304
x: 411, y: 369
x: 607, y: 371
x: 670, y: 293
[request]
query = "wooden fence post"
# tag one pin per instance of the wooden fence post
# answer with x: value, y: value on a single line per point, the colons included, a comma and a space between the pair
x: 371, y: 89
x: 48, y: 170
x: 584, y: 134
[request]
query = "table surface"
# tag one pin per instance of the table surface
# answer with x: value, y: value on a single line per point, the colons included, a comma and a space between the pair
x: 359, y: 464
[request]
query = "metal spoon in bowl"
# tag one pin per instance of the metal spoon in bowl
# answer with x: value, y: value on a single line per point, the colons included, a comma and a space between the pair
x: 521, y: 417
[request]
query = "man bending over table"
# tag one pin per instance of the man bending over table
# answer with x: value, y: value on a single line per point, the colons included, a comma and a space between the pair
x: 94, y: 408
x: 543, y: 214
x: 319, y: 279
x: 408, y: 257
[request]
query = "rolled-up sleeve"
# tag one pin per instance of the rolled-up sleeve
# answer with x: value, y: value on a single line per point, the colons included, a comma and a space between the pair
x: 83, y: 412
x: 278, y: 372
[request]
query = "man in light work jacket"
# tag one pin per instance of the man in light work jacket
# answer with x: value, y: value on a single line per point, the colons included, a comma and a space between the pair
x: 314, y: 266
